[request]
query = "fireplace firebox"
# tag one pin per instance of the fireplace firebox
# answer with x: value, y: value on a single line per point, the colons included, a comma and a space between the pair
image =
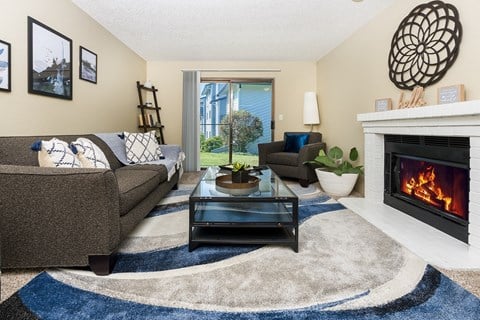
x: 427, y: 177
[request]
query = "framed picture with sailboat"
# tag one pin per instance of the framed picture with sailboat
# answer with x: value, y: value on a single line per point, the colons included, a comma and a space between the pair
x: 49, y: 61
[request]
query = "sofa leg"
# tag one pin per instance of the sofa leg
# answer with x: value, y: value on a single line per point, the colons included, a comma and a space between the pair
x: 303, y: 182
x: 101, y: 264
x: 175, y: 187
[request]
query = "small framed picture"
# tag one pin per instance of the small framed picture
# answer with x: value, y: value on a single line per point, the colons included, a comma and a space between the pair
x: 5, y: 66
x: 451, y: 94
x: 49, y: 61
x: 88, y: 65
x: 383, y: 104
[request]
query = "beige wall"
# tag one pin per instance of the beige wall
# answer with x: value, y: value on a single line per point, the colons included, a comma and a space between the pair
x: 110, y: 105
x: 353, y: 75
x: 290, y: 84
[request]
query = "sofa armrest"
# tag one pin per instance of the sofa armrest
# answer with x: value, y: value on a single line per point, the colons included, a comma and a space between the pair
x: 266, y: 148
x: 310, y: 151
x: 57, y: 216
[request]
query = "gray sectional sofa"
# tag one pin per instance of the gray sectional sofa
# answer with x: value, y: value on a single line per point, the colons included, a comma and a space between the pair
x: 65, y: 217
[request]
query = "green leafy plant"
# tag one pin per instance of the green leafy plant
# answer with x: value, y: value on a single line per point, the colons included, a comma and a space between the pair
x: 207, y: 145
x: 239, y: 166
x: 245, y: 128
x: 333, y: 161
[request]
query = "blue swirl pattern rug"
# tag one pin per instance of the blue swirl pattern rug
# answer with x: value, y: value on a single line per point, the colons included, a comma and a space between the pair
x: 345, y: 269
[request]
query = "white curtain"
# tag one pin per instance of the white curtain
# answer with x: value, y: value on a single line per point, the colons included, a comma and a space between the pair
x: 191, y: 120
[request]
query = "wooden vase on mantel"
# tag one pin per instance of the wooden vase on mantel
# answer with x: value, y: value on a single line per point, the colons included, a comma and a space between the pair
x: 240, y: 176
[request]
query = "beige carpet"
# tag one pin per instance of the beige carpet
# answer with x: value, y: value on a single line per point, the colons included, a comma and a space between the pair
x: 12, y: 280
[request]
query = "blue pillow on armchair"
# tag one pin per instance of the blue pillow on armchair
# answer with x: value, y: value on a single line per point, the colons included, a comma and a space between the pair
x: 295, y: 141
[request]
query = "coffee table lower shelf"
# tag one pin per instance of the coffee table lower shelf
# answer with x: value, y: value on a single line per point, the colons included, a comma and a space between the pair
x: 242, y: 235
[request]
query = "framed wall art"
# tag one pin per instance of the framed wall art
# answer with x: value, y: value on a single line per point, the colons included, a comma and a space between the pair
x: 49, y: 61
x: 425, y: 45
x: 5, y: 66
x: 88, y: 65
x: 451, y: 94
x: 383, y: 104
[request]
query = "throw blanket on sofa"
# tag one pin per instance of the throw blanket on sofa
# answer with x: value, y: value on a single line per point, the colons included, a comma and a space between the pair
x: 173, y: 153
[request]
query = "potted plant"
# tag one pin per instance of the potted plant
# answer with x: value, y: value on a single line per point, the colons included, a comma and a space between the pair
x: 337, y: 176
x: 240, y: 172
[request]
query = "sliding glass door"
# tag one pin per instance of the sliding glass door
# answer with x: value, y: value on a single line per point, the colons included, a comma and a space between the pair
x: 235, y: 115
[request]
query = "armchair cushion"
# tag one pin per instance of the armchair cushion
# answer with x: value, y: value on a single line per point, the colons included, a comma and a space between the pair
x: 295, y: 141
x: 283, y: 158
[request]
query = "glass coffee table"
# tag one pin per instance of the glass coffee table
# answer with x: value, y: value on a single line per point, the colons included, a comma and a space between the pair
x: 266, y: 215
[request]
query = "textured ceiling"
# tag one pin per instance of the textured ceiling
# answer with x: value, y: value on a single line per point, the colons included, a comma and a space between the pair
x: 232, y: 29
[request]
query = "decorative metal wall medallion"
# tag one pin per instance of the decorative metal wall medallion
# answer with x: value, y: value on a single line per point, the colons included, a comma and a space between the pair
x: 425, y: 45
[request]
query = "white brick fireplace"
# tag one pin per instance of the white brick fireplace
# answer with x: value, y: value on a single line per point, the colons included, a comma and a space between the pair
x: 458, y: 119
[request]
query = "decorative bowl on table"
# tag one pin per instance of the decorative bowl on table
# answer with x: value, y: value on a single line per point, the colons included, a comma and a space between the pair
x: 226, y: 185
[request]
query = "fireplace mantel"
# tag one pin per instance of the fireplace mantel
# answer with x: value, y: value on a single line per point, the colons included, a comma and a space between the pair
x: 455, y: 119
x: 458, y: 109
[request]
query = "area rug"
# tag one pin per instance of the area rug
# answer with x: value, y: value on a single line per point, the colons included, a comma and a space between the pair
x: 345, y: 269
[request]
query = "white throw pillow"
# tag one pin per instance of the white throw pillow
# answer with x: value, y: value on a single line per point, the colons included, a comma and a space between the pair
x: 56, y: 153
x: 89, y: 154
x: 142, y: 147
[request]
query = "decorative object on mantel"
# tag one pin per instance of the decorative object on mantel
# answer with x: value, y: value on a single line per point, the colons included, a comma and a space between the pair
x: 451, y: 94
x: 425, y: 45
x: 337, y: 176
x: 416, y: 99
x: 310, y: 109
x: 383, y: 104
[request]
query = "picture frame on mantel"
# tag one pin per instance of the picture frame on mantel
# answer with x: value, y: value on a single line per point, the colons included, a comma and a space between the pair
x: 451, y: 94
x: 88, y: 65
x: 49, y: 61
x: 5, y: 66
x: 383, y: 104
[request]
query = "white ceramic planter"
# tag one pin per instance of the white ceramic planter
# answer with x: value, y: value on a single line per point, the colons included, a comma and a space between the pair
x: 338, y: 186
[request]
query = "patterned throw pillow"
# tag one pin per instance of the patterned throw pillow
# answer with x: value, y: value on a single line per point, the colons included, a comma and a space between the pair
x: 55, y: 153
x: 142, y: 147
x: 89, y: 154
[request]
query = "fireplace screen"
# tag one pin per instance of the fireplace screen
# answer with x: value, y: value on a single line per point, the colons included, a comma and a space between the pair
x: 441, y: 186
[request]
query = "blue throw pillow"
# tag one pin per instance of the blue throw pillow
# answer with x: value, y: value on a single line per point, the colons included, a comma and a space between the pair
x: 295, y: 141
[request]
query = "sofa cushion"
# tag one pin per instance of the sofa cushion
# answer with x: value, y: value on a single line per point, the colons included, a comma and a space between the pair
x: 89, y: 154
x: 142, y: 147
x: 134, y: 185
x: 295, y: 141
x: 55, y: 153
x: 284, y: 158
x: 159, y: 168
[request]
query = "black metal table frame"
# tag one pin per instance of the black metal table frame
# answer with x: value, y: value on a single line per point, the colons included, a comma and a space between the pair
x: 253, y: 231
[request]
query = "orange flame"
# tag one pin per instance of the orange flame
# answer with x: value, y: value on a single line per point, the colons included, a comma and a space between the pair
x: 423, y: 187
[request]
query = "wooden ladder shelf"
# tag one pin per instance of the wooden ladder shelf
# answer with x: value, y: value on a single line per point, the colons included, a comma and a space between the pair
x: 147, y: 120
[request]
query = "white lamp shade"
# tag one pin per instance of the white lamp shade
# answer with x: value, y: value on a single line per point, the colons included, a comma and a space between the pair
x: 310, y: 109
